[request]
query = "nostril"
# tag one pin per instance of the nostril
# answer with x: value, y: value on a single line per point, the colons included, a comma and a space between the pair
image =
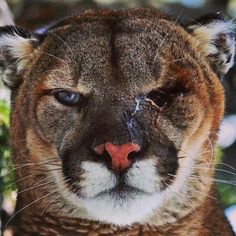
x: 119, y: 154
x: 99, y: 149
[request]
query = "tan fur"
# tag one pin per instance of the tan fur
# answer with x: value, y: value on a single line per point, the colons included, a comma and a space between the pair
x: 109, y: 57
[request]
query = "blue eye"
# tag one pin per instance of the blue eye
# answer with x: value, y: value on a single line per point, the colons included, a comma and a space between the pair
x: 67, y: 98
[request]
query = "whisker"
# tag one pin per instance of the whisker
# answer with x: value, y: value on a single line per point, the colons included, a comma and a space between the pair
x: 210, y: 179
x: 207, y: 195
x: 172, y: 26
x: 233, y: 183
x: 63, y: 41
x: 165, y: 37
x: 212, y: 151
x: 39, y: 185
x: 18, y: 180
x: 182, y: 198
x: 53, y: 200
x: 58, y: 58
x: 19, y: 166
x: 52, y: 162
x: 47, y: 170
x: 26, y: 207
x: 48, y: 54
x: 217, y: 169
x: 67, y: 192
x: 206, y: 167
x: 231, y: 167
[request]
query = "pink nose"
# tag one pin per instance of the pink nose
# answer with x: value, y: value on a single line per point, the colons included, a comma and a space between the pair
x: 119, y: 154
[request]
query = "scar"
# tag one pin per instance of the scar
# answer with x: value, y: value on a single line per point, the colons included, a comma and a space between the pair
x: 138, y: 101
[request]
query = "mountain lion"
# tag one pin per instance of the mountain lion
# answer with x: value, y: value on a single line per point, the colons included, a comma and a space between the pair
x: 114, y: 120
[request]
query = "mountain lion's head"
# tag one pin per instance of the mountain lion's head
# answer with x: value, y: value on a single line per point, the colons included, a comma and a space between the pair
x: 115, y: 113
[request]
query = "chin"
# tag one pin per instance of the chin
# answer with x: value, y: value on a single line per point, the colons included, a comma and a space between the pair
x: 121, y: 208
x: 122, y: 201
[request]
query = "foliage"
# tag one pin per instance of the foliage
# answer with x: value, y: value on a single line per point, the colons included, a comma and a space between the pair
x: 6, y: 173
x: 227, y: 193
x: 225, y: 180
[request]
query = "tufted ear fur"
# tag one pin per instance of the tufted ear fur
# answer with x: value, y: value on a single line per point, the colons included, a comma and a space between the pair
x: 216, y: 39
x: 16, y: 50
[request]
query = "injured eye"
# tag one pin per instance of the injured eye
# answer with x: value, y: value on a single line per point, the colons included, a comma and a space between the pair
x: 67, y: 98
x: 163, y: 97
x: 159, y: 97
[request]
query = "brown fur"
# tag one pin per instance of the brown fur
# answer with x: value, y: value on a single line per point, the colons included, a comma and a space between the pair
x: 109, y: 57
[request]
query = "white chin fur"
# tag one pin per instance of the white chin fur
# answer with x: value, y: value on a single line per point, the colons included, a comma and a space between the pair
x: 137, y: 206
x: 96, y: 178
x: 120, y: 209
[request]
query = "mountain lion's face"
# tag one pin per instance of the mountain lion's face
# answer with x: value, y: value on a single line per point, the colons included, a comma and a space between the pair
x: 124, y: 105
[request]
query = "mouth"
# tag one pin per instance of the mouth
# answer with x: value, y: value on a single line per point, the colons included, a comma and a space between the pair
x: 122, y: 190
x: 126, y: 197
x: 95, y: 180
x: 119, y: 190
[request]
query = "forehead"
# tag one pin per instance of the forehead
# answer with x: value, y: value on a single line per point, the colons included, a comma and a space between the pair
x: 120, y: 51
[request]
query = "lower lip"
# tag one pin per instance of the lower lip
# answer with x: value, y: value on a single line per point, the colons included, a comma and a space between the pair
x: 122, y: 190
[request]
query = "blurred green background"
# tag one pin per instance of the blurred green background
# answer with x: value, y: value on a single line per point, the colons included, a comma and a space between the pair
x: 34, y: 15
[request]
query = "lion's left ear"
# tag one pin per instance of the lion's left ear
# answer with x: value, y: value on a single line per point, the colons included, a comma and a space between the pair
x: 216, y: 39
x: 16, y: 52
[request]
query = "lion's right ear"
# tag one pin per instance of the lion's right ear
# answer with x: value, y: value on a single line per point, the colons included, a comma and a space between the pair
x: 215, y: 37
x: 16, y: 51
